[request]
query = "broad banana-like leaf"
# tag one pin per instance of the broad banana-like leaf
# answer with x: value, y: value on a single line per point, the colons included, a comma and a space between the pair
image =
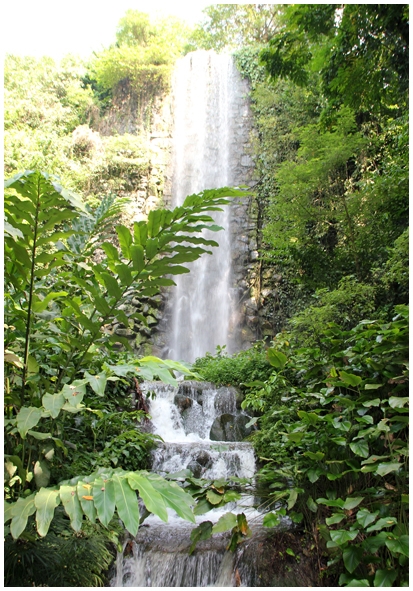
x: 27, y: 418
x: 21, y: 511
x: 126, y: 503
x: 53, y: 403
x: 154, y: 501
x: 69, y: 498
x: 84, y: 493
x: 104, y: 499
x: 174, y: 497
x: 46, y: 500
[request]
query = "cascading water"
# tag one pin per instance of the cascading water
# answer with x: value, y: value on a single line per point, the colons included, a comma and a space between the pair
x: 207, y: 92
x: 201, y: 426
x: 185, y: 417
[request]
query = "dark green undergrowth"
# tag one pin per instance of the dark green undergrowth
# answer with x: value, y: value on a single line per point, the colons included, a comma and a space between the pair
x: 234, y: 370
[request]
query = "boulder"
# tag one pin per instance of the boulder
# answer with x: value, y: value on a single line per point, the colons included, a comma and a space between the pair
x: 229, y: 427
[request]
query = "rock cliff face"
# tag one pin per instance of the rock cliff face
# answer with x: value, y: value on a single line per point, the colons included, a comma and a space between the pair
x: 154, y: 123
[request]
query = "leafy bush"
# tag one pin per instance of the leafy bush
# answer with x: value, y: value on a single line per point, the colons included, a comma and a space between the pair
x: 236, y: 369
x: 61, y: 354
x: 144, y: 54
x: 347, y: 305
x: 62, y: 558
x: 334, y: 438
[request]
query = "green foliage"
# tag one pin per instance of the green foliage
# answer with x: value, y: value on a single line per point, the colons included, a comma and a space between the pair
x: 360, y: 50
x: 334, y: 439
x: 43, y: 104
x: 333, y: 182
x: 62, y: 558
x: 143, y: 54
x: 234, y: 25
x: 236, y: 369
x: 59, y: 304
x: 345, y: 306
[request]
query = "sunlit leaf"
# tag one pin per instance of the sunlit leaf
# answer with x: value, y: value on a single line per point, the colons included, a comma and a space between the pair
x: 70, y: 501
x: 46, y: 500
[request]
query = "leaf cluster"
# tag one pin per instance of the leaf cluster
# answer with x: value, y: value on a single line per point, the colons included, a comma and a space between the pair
x: 61, y: 354
x: 334, y: 438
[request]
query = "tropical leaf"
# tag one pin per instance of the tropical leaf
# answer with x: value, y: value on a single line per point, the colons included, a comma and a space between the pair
x: 125, y: 240
x: 174, y: 497
x: 104, y: 499
x: 27, y: 418
x: 352, y: 556
x: 154, y: 501
x: 21, y: 511
x: 385, y: 578
x: 399, y: 545
x: 225, y: 523
x: 53, y: 403
x: 46, y: 501
x: 276, y: 358
x: 98, y: 382
x: 350, y: 379
x: 126, y: 503
x: 84, y: 493
x: 71, y: 504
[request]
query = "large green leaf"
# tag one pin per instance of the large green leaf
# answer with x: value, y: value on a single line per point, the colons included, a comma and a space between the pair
x: 350, y: 379
x: 385, y: 578
x: 126, y: 503
x: 225, y: 523
x: 98, y: 382
x: 365, y: 518
x: 398, y: 402
x: 398, y: 545
x: 213, y: 497
x: 276, y: 358
x: 154, y: 501
x: 46, y: 501
x: 69, y: 498
x: 382, y: 523
x: 202, y: 532
x: 342, y: 536
x: 352, y: 502
x: 74, y: 393
x: 271, y: 520
x: 125, y: 240
x: 360, y: 448
x: 174, y: 497
x: 41, y: 305
x: 352, y: 556
x: 85, y: 496
x: 111, y: 285
x: 53, y: 403
x: 383, y: 469
x: 104, y: 499
x: 21, y: 510
x: 27, y: 418
x: 138, y: 257
x: 154, y: 222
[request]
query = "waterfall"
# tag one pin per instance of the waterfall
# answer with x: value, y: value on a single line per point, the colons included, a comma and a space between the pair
x: 208, y: 92
x: 202, y: 426
x: 159, y: 555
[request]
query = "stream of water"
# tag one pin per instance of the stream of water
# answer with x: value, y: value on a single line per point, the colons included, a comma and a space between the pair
x: 207, y: 92
x: 158, y: 556
x: 200, y: 425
